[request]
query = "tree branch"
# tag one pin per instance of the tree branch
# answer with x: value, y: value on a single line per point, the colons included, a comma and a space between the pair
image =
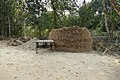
x: 114, y: 7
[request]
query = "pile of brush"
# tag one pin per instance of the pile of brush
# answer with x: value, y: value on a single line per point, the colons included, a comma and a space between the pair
x: 18, y: 41
x: 71, y: 39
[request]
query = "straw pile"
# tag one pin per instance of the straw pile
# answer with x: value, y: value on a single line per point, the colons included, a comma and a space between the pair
x: 73, y: 39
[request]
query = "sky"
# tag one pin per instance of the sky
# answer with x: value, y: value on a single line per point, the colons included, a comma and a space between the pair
x: 86, y: 0
x: 79, y: 2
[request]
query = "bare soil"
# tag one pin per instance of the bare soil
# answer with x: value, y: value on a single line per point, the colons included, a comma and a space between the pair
x: 21, y: 64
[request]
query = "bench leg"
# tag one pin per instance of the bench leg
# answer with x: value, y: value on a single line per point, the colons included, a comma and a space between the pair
x: 52, y: 47
x: 36, y: 48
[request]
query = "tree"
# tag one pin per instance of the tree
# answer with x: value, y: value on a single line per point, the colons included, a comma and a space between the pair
x: 11, y: 15
x: 112, y: 2
x: 38, y: 16
x: 105, y: 16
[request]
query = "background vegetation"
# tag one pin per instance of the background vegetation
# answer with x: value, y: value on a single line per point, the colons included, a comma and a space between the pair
x: 37, y: 18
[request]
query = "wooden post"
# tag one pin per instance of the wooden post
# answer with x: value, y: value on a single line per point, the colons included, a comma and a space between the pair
x: 52, y: 47
x: 36, y: 47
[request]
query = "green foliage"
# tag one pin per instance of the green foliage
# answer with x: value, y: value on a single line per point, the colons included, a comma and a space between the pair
x: 98, y: 32
x: 12, y: 17
x: 117, y: 33
x: 86, y: 15
x: 38, y: 17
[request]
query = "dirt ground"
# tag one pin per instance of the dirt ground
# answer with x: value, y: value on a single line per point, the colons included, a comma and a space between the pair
x: 18, y: 64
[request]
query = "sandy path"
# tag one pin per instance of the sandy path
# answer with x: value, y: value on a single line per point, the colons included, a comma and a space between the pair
x: 26, y: 65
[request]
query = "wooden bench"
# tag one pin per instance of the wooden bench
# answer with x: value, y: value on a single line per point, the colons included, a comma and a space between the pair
x: 44, y: 44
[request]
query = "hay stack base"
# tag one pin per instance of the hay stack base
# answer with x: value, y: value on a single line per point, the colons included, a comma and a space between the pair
x: 73, y: 39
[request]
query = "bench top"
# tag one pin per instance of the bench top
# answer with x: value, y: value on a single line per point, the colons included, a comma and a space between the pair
x: 42, y: 41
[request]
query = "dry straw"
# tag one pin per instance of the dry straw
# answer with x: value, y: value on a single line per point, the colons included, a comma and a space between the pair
x: 72, y: 39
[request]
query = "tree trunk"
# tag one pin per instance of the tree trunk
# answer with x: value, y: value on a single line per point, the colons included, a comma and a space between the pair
x: 9, y: 23
x: 2, y: 18
x: 2, y: 26
x: 105, y: 16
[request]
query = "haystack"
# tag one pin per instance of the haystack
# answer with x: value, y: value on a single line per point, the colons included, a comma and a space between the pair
x: 73, y: 39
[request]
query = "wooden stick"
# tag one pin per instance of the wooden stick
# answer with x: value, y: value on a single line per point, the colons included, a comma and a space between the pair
x: 109, y: 49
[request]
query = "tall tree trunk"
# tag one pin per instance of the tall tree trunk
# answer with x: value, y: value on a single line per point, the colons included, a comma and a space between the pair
x: 105, y: 17
x: 2, y: 26
x: 2, y: 18
x: 9, y: 23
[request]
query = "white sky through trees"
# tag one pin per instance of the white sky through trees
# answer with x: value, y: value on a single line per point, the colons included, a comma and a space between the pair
x: 79, y: 2
x: 85, y: 0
